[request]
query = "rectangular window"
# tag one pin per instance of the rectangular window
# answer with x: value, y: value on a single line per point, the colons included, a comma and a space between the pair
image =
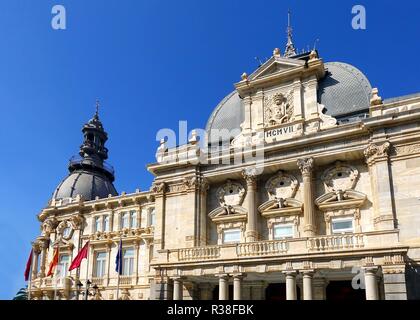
x: 152, y: 218
x: 106, y: 224
x: 133, y: 219
x: 100, y: 261
x: 283, y: 231
x: 128, y: 262
x: 232, y: 236
x: 343, y: 225
x: 63, y: 265
x: 124, y: 220
x: 98, y: 224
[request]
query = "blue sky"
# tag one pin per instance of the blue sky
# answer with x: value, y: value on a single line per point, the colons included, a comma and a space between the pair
x: 152, y: 63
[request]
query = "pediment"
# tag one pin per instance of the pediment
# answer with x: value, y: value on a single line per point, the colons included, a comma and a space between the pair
x: 341, y: 200
x: 281, y: 207
x: 276, y: 65
x: 228, y: 213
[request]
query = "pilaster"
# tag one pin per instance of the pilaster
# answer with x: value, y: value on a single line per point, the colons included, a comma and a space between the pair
x: 306, y: 166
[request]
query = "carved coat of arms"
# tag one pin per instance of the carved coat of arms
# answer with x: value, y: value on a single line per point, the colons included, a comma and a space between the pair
x: 278, y: 109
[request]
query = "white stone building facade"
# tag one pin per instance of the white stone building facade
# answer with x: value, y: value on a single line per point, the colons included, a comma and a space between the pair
x: 329, y: 211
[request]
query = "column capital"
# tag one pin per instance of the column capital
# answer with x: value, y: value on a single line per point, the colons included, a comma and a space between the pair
x: 306, y: 165
x: 375, y: 152
x: 307, y: 272
x: 290, y: 273
x: 177, y: 278
x: 159, y: 188
x: 250, y: 176
x: 238, y: 275
x: 370, y: 270
x: 224, y: 276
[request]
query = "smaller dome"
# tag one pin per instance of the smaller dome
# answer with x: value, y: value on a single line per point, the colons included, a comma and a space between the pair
x: 85, y: 183
x: 228, y: 115
x: 345, y: 90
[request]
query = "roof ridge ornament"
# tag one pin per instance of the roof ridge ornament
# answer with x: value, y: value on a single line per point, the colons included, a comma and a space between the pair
x: 290, y: 47
x: 97, y: 109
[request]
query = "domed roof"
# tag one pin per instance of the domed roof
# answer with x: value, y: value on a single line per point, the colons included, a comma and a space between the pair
x: 90, y: 176
x: 228, y: 115
x: 344, y: 90
x: 88, y: 184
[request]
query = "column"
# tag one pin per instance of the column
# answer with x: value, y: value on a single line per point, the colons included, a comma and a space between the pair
x: 108, y: 262
x: 223, y: 287
x: 291, y: 293
x: 36, y: 253
x: 237, y: 283
x: 204, y: 187
x: 44, y: 246
x: 377, y: 158
x: 178, y: 289
x: 159, y: 190
x: 307, y: 285
x: 206, y: 291
x: 320, y: 288
x: 371, y: 283
x: 306, y: 166
x: 395, y: 287
x: 136, y: 259
x: 251, y: 227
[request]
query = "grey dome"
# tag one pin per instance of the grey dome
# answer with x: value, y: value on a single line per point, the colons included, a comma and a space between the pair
x: 228, y: 115
x: 85, y: 183
x: 345, y: 90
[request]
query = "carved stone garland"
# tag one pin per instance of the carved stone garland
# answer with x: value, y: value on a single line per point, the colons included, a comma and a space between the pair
x: 341, y: 200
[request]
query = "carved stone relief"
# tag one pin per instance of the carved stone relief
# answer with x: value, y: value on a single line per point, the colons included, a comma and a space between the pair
x: 341, y: 177
x: 282, y: 186
x: 278, y: 109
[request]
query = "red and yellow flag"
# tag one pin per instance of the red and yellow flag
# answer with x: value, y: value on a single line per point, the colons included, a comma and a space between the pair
x: 53, y: 263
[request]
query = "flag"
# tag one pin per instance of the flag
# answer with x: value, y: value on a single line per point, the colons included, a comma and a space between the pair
x: 53, y: 263
x: 118, y: 260
x: 28, y: 266
x: 80, y: 256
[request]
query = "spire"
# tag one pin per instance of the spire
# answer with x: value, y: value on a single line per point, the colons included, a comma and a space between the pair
x: 290, y: 47
x: 93, y: 153
x: 97, y: 109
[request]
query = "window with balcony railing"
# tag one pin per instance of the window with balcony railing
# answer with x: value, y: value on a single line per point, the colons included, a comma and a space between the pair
x: 100, y: 262
x: 231, y: 236
x: 128, y: 262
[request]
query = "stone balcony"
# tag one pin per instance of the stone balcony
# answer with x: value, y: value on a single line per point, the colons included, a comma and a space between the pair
x: 304, y: 246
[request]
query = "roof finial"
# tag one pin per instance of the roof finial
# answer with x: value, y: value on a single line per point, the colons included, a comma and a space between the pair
x: 97, y: 109
x: 290, y: 47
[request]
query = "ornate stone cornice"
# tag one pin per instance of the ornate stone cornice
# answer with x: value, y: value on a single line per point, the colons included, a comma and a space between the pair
x: 49, y: 226
x: 196, y: 183
x: 374, y: 152
x: 306, y: 165
x: 159, y: 188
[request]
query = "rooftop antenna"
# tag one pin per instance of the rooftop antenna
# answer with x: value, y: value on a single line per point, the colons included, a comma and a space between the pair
x: 316, y: 42
x: 259, y: 61
x: 97, y: 109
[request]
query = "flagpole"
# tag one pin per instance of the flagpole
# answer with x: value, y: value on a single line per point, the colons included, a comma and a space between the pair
x: 87, y: 275
x: 119, y: 269
x: 55, y: 271
x: 30, y: 275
